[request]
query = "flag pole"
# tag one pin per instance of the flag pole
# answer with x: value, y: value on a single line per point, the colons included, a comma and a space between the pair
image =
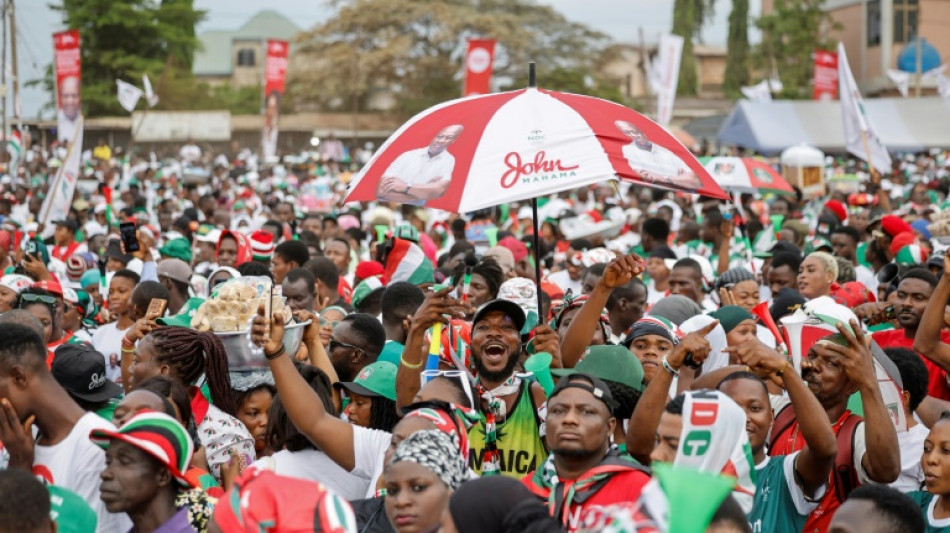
x: 867, y: 150
x: 532, y: 83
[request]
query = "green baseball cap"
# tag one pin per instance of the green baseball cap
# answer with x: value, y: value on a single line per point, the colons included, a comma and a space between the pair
x: 375, y: 380
x: 610, y: 363
x: 178, y: 248
x: 70, y: 512
x: 185, y: 314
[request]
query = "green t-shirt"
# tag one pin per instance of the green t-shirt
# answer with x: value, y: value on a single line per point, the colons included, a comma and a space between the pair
x: 926, y: 501
x: 520, y: 447
x: 108, y: 410
x: 779, y: 504
x: 392, y: 352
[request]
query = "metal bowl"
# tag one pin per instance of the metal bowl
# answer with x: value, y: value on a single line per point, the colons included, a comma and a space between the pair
x: 242, y: 354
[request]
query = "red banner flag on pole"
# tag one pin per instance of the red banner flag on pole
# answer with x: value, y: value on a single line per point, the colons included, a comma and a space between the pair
x: 478, y: 66
x: 825, y: 78
x: 68, y: 76
x: 275, y: 72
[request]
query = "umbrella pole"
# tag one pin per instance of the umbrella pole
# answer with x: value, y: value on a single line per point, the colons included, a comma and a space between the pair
x: 537, y: 255
x: 533, y: 82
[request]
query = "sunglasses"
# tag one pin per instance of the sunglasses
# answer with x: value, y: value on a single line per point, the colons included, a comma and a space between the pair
x: 334, y: 344
x: 324, y: 322
x: 461, y: 376
x: 49, y: 300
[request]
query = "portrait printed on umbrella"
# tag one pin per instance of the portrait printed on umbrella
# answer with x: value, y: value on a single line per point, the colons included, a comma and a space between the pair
x: 422, y: 174
x: 654, y: 163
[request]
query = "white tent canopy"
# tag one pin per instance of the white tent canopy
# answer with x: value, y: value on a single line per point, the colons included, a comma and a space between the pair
x: 904, y: 125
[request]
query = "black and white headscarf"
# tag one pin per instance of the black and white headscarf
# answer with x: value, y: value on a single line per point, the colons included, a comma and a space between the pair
x: 435, y: 451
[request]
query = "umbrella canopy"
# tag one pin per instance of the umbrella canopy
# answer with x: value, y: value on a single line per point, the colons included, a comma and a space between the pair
x: 746, y: 175
x: 481, y: 151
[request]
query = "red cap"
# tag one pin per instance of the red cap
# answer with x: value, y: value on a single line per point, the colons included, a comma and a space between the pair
x: 902, y: 239
x: 368, y: 269
x: 894, y: 225
x: 838, y: 209
x: 51, y: 286
x: 518, y: 248
x: 853, y: 294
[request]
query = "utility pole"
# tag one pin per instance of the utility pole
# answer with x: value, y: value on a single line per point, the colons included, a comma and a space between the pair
x: 13, y: 66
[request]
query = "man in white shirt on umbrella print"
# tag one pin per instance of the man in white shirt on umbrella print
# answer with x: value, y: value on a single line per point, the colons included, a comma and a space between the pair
x: 422, y: 174
x: 654, y: 163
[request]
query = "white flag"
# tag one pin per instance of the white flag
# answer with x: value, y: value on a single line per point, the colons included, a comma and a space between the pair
x: 128, y: 95
x: 667, y: 76
x: 901, y: 79
x: 150, y: 95
x: 776, y: 85
x: 60, y: 195
x: 760, y: 92
x: 943, y: 86
x: 934, y: 73
x: 860, y: 137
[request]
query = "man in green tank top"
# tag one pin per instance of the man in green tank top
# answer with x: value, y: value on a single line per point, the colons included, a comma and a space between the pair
x: 508, y: 441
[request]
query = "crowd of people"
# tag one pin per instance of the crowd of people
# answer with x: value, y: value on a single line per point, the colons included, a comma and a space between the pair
x: 775, y: 364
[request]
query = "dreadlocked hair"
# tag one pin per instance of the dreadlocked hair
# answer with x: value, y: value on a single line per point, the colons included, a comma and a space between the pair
x: 382, y: 414
x: 626, y: 397
x: 193, y: 353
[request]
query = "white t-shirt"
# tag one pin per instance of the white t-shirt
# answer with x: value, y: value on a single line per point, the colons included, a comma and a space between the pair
x: 314, y: 465
x: 563, y: 280
x: 416, y: 167
x: 653, y: 295
x: 912, y: 446
x: 107, y: 340
x: 75, y: 464
x: 369, y: 451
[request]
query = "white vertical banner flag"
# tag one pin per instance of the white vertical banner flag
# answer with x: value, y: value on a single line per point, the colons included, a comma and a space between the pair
x: 60, y: 194
x: 150, y: 95
x: 667, y: 75
x: 901, y: 79
x: 760, y: 92
x: 128, y: 95
x: 860, y: 137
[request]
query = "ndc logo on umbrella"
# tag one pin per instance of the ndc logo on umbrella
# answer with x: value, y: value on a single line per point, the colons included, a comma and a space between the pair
x: 536, y: 137
x: 762, y: 175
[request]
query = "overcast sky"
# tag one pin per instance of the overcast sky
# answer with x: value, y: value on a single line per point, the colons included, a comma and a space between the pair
x: 618, y: 18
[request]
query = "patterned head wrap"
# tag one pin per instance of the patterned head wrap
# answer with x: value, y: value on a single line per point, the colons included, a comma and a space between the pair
x: 653, y: 325
x: 454, y: 421
x: 435, y: 451
x: 575, y: 301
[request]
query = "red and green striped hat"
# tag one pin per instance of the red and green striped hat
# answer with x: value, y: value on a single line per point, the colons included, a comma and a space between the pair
x: 158, y: 435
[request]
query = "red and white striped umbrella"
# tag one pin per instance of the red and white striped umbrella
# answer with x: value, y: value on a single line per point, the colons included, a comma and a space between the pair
x: 486, y: 150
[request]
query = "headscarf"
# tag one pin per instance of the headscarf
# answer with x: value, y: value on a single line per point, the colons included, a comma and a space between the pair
x: 453, y: 420
x: 726, y: 449
x: 575, y: 301
x: 733, y: 276
x: 716, y: 338
x: 676, y: 308
x: 435, y: 451
x: 730, y: 316
x: 653, y: 325
x: 492, y: 504
x: 244, y: 253
x: 234, y: 274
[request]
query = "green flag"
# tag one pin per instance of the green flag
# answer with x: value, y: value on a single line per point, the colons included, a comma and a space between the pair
x: 693, y: 496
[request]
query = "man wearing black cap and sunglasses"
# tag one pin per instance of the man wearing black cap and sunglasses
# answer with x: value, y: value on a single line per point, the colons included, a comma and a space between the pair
x: 585, y: 470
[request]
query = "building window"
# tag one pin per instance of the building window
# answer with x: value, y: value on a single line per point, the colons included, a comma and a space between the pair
x: 245, y: 57
x: 905, y: 20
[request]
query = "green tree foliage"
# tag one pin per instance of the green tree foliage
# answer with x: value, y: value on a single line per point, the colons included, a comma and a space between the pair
x: 123, y: 39
x: 737, y: 49
x: 415, y: 48
x: 790, y: 34
x: 689, y: 16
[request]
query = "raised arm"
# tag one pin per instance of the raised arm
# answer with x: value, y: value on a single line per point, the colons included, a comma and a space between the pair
x: 333, y: 436
x: 817, y: 458
x: 618, y: 272
x: 882, y: 462
x: 641, y: 435
x: 927, y: 340
x: 316, y: 354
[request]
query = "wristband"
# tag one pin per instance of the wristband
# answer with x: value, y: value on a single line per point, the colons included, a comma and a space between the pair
x: 128, y: 350
x: 402, y: 361
x: 669, y: 369
x: 275, y: 355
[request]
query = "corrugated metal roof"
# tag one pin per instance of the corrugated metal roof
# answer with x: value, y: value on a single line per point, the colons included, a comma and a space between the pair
x: 214, y: 55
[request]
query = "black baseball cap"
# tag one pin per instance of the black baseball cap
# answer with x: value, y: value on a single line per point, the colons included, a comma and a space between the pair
x: 68, y: 222
x: 513, y: 310
x: 81, y: 370
x: 595, y: 386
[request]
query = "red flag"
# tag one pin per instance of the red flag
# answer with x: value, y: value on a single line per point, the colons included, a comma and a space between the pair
x: 478, y: 66
x: 68, y: 74
x: 825, y: 80
x: 275, y: 72
x: 762, y: 311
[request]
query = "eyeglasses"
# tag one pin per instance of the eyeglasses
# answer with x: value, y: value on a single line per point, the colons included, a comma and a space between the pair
x: 334, y: 344
x: 332, y: 323
x: 28, y: 297
x: 461, y: 376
